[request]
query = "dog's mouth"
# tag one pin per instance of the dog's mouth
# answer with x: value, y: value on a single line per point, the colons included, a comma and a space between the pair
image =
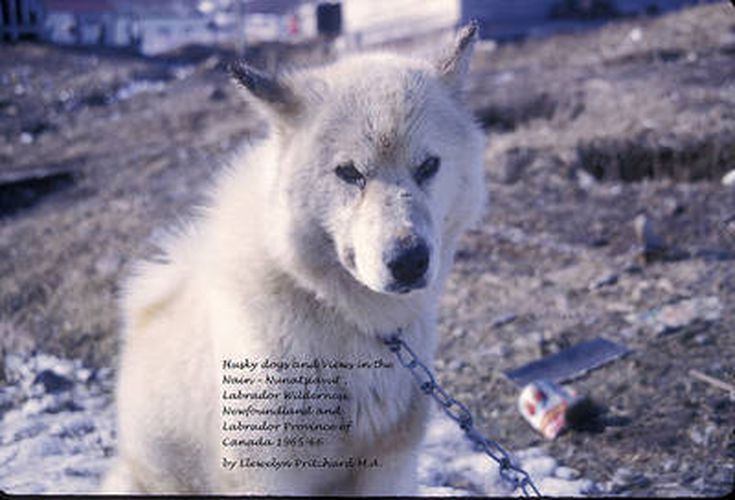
x: 403, y: 289
x: 349, y: 260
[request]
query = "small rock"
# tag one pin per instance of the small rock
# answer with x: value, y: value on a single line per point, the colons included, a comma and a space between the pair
x: 556, y: 487
x: 503, y: 320
x: 52, y: 382
x: 97, y: 98
x: 669, y: 465
x: 628, y: 333
x: 603, y: 281
x: 29, y: 430
x: 458, y: 332
x: 81, y: 472
x: 74, y: 429
x: 673, y: 317
x: 673, y: 207
x: 499, y: 350
x: 184, y: 72
x: 727, y: 228
x: 696, y: 436
x: 727, y: 40
x: 84, y: 374
x: 684, y: 313
x: 62, y: 405
x: 729, y: 178
x: 599, y: 241
x: 517, y: 161
x: 622, y: 476
x: 652, y: 245
x: 523, y: 342
x: 666, y: 285
x: 456, y: 365
x: 65, y: 95
x: 564, y: 472
x: 210, y: 63
x: 699, y: 484
x: 218, y: 94
x: 702, y: 437
x: 703, y: 339
x: 633, y: 269
x: 585, y: 179
x: 625, y: 479
x: 108, y: 265
x: 26, y: 138
x: 541, y: 466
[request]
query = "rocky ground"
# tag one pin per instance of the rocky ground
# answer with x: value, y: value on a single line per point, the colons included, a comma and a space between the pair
x: 587, y: 133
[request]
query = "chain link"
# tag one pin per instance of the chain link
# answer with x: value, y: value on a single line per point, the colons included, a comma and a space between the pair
x: 510, y: 470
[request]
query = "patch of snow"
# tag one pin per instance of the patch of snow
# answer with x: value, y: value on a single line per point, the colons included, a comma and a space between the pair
x: 566, y: 473
x: 448, y: 465
x: 636, y: 35
x: 729, y: 178
x: 58, y: 442
x: 138, y: 87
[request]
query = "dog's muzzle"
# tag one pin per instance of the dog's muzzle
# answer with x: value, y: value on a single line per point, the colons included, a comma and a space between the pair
x: 408, y: 266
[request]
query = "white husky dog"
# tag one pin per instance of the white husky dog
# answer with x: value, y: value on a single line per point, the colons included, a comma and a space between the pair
x: 338, y: 228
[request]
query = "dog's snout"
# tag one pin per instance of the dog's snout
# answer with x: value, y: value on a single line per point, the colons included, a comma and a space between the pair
x: 410, y: 264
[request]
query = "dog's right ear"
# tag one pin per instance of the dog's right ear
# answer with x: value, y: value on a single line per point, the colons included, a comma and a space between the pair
x: 453, y: 65
x: 271, y: 93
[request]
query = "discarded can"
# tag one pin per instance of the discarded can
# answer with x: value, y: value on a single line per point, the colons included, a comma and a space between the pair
x: 544, y: 404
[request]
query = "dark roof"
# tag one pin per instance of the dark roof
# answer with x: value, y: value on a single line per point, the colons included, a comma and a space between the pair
x: 79, y: 5
x: 278, y: 7
x: 271, y: 6
x: 153, y: 8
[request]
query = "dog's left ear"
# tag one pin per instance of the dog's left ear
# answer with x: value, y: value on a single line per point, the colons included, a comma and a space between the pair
x: 453, y: 65
x: 272, y: 93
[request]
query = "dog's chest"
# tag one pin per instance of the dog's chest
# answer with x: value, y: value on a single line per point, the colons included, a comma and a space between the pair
x: 324, y: 380
x: 376, y: 395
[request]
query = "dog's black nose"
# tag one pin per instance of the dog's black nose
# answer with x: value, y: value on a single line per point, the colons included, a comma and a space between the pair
x: 410, y: 265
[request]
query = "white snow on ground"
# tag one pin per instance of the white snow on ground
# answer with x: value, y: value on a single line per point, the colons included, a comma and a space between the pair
x: 449, y: 466
x: 57, y: 436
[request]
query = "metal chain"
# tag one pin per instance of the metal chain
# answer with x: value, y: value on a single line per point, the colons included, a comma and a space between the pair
x: 510, y: 471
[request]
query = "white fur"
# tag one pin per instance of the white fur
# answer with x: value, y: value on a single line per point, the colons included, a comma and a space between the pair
x: 265, y: 272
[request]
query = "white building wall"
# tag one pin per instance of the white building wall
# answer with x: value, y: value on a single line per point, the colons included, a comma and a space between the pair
x: 59, y: 27
x: 377, y: 21
x: 165, y: 34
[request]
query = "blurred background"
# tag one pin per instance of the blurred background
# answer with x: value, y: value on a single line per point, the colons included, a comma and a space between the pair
x: 610, y: 167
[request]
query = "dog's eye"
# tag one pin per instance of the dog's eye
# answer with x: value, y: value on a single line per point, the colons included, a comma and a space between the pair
x: 427, y: 170
x: 348, y: 173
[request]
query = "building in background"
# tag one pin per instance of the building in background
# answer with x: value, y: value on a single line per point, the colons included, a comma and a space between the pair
x: 145, y: 26
x: 157, y: 26
x: 287, y: 21
x: 500, y: 19
x: 376, y: 22
x: 21, y: 19
x: 167, y: 25
x: 383, y: 21
x: 86, y: 22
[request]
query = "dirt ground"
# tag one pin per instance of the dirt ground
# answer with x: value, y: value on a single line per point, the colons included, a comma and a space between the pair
x: 586, y: 132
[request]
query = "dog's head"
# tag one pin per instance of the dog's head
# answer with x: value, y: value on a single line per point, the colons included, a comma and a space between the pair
x: 380, y: 165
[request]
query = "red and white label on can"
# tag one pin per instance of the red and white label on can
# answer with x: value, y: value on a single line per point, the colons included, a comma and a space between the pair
x: 543, y: 404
